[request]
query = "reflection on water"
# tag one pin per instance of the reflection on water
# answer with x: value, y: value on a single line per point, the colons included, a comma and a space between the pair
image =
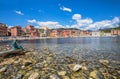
x: 83, y: 47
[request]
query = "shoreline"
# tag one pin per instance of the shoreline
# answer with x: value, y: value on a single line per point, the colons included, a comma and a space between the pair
x: 3, y: 39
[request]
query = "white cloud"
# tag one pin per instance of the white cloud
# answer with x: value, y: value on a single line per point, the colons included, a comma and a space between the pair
x: 19, y: 12
x: 88, y: 23
x: 32, y: 21
x: 76, y: 17
x: 104, y: 24
x: 9, y: 26
x: 80, y: 23
x: 49, y: 24
x: 37, y: 26
x: 65, y: 9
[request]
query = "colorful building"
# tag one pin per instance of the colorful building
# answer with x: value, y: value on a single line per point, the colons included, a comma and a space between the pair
x: 74, y: 33
x: 85, y: 33
x: 16, y: 31
x: 31, y: 31
x: 3, y: 29
x: 95, y: 33
x: 115, y: 32
x: 54, y: 33
x: 65, y: 33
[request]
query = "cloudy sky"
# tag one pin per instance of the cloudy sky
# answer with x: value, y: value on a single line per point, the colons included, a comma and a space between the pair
x: 82, y: 14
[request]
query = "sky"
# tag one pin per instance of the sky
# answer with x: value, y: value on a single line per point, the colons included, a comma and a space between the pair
x: 81, y: 14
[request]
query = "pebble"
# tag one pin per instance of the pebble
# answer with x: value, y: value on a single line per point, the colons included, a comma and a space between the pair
x: 19, y: 76
x: 27, y: 63
x: 3, y: 69
x: 96, y: 75
x: 54, y: 76
x: 104, y: 61
x: 34, y: 75
x: 63, y: 73
x: 66, y: 77
x: 77, y: 67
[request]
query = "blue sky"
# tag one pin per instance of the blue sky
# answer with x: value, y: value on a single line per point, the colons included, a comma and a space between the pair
x: 82, y: 14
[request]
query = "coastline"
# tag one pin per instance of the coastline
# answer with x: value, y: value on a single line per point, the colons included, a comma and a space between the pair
x: 3, y: 39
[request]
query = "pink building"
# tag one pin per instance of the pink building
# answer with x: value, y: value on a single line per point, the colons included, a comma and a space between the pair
x: 16, y: 31
x: 65, y: 33
x: 31, y: 31
x: 85, y: 33
x: 115, y: 32
x: 54, y: 33
x: 3, y: 29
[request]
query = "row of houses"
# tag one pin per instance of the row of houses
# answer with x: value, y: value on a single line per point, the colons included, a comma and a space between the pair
x: 31, y: 31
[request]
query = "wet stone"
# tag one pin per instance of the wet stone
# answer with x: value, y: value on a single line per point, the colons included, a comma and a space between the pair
x: 77, y: 67
x: 63, y: 73
x: 34, y: 75
x: 27, y: 63
x: 3, y: 69
x: 54, y: 76
x: 19, y: 76
x: 104, y: 61
x: 66, y: 77
x: 96, y: 75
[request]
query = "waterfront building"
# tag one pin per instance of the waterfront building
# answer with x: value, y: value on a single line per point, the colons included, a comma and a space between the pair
x: 31, y: 31
x: 74, y: 33
x: 95, y: 33
x: 65, y: 33
x: 54, y: 33
x: 3, y: 29
x: 45, y: 32
x: 85, y: 33
x: 16, y: 31
x: 107, y: 34
x: 115, y: 32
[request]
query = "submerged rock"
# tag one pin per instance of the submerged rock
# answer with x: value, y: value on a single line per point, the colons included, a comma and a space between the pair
x: 77, y: 67
x: 27, y: 63
x: 34, y: 75
x: 104, y: 61
x: 66, y: 77
x: 3, y: 69
x: 19, y: 76
x: 63, y: 73
x: 54, y: 76
x: 96, y: 75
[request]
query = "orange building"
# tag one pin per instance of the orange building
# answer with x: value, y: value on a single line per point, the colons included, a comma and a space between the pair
x: 115, y: 32
x: 31, y: 31
x: 3, y: 29
x: 65, y: 33
x: 16, y: 31
x: 54, y: 33
x: 74, y: 33
x: 85, y: 33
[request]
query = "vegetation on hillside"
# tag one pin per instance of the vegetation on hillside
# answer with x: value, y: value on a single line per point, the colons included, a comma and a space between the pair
x: 109, y: 29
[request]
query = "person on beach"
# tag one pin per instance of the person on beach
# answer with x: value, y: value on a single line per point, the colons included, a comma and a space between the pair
x: 16, y: 46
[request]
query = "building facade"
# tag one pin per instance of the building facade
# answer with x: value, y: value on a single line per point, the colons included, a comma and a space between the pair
x: 3, y: 29
x: 96, y: 33
x: 115, y: 32
x: 16, y: 31
x: 30, y: 31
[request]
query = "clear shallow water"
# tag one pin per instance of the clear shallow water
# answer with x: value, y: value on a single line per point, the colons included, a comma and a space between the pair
x: 81, y: 47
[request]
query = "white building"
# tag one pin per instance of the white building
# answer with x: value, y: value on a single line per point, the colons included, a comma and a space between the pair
x: 96, y: 33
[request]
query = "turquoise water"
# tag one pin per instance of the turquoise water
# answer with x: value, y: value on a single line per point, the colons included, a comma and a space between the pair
x: 81, y: 47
